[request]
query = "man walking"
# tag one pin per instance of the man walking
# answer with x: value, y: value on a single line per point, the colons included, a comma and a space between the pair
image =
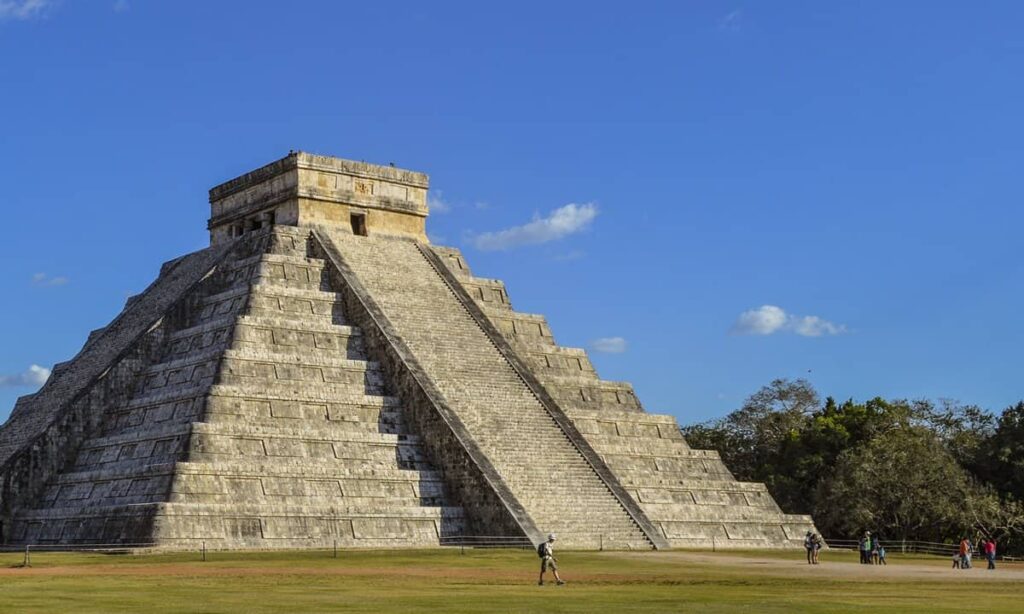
x: 546, y: 552
x: 990, y: 553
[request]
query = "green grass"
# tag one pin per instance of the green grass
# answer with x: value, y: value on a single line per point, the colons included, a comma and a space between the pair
x: 504, y: 581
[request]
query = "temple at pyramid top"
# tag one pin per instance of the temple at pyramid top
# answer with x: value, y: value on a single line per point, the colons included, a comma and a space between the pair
x: 304, y: 189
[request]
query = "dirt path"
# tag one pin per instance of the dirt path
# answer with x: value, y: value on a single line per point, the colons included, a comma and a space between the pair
x: 676, y: 564
x: 896, y: 570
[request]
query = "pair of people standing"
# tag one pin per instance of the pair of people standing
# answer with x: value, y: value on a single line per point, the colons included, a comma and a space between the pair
x: 812, y: 543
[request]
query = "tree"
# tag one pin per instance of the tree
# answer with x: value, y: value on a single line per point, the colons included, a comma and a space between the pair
x: 902, y: 483
x: 752, y: 439
x: 1002, y: 459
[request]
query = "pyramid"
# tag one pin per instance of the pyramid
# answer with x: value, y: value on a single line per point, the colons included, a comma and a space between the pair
x: 322, y: 374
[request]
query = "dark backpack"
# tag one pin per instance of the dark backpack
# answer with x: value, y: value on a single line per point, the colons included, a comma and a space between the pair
x: 541, y: 550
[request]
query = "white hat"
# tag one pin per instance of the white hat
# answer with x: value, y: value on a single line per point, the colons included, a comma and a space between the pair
x: 551, y: 536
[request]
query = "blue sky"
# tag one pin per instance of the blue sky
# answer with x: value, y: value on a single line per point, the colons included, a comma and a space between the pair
x: 713, y: 194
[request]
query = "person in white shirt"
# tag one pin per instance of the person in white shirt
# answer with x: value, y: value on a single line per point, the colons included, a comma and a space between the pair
x: 546, y: 551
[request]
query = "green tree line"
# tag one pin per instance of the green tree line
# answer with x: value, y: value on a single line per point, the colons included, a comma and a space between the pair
x: 913, y: 470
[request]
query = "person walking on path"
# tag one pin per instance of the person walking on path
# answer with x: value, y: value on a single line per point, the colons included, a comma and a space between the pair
x: 875, y: 545
x: 817, y: 548
x: 546, y: 552
x: 990, y: 553
x: 809, y: 547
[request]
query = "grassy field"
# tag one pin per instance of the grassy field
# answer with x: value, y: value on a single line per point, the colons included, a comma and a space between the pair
x: 499, y: 581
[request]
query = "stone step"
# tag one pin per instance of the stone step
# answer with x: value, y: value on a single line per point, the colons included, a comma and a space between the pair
x: 352, y: 415
x: 245, y: 369
x: 176, y: 407
x: 272, y: 299
x: 204, y: 328
x: 712, y: 513
x: 296, y: 323
x: 669, y: 481
x: 296, y: 468
x: 300, y: 429
x: 223, y: 303
x: 203, y: 357
x: 668, y: 466
x: 364, y: 505
x: 293, y: 356
x: 323, y: 510
x: 249, y: 469
x: 272, y: 269
x: 297, y: 334
x: 271, y: 258
x: 332, y: 394
x: 643, y: 447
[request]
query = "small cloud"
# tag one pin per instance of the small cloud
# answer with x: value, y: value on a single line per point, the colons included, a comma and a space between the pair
x: 33, y: 376
x: 23, y: 10
x: 121, y: 6
x: 44, y: 280
x: 769, y: 319
x: 481, y: 205
x: 732, y: 21
x: 561, y: 222
x: 764, y: 320
x: 436, y: 239
x: 436, y: 203
x: 609, y: 345
x: 813, y: 326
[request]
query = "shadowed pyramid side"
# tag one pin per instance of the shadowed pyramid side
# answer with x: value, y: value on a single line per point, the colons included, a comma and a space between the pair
x: 262, y: 425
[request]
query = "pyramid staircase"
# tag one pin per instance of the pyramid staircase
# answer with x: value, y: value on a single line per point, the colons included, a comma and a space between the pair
x: 689, y: 495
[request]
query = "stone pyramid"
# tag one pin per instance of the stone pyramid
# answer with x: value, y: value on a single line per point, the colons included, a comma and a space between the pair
x: 322, y: 374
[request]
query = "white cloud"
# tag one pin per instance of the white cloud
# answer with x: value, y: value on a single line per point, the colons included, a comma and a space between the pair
x: 764, y: 320
x: 813, y: 326
x: 609, y: 345
x: 23, y: 9
x: 769, y: 319
x: 42, y: 279
x: 436, y: 203
x: 121, y: 6
x: 561, y: 222
x: 33, y: 376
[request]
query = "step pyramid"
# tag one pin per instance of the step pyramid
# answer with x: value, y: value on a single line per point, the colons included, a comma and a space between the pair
x: 322, y: 375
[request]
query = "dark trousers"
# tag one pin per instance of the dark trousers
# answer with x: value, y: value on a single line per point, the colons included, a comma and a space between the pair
x: 991, y: 560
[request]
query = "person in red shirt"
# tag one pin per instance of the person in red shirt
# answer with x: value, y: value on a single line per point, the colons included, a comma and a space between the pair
x: 990, y: 553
